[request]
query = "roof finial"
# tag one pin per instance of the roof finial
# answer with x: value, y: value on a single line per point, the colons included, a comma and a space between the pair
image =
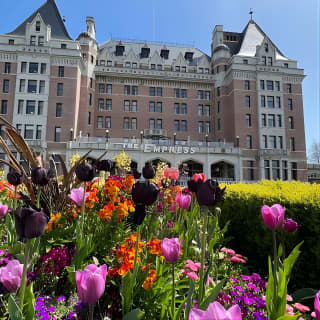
x: 251, y: 13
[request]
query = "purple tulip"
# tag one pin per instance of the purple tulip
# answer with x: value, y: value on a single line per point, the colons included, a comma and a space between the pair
x: 171, y: 249
x: 216, y: 311
x: 3, y: 210
x: 30, y: 223
x: 39, y: 176
x: 91, y: 283
x: 273, y: 217
x: 316, y: 313
x: 15, y: 178
x: 290, y: 225
x: 208, y: 193
x: 144, y: 192
x: 11, y: 274
x: 85, y: 172
x: 183, y: 200
x: 76, y: 196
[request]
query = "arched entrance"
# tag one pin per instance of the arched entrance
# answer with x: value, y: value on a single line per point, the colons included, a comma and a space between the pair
x: 190, y: 167
x: 222, y: 171
x: 155, y: 162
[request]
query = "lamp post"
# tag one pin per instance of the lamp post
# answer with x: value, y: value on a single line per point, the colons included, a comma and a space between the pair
x: 71, y: 134
x: 238, y: 139
x: 107, y: 135
x: 174, y: 138
x: 206, y: 140
x: 141, y: 136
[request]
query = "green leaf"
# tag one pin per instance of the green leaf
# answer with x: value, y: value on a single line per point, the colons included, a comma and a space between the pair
x: 29, y: 300
x: 304, y: 294
x: 126, y: 291
x: 270, y: 290
x: 135, y: 314
x: 212, y: 296
x: 280, y: 251
x: 71, y: 274
x: 178, y: 311
x: 289, y: 317
x: 189, y: 297
x: 290, y: 261
x: 13, y: 309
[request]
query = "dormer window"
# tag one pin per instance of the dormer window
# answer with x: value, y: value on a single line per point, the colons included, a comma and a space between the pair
x: 33, y: 40
x: 63, y: 46
x: 119, y: 50
x: 266, y: 47
x: 38, y: 26
x: 145, y: 52
x: 11, y: 42
x: 164, y: 54
x: 188, y: 56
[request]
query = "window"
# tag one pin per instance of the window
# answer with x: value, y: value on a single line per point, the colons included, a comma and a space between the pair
x: 42, y: 86
x: 178, y: 68
x: 200, y: 110
x: 33, y: 40
x: 207, y: 95
x: 159, y: 123
x: 184, y: 125
x: 134, y: 106
x: 11, y: 42
x: 126, y: 105
x: 273, y: 142
x: 279, y: 120
x: 151, y: 124
x: 266, y: 47
x: 159, y: 92
x: 108, y: 104
x: 61, y: 71
x: 4, y: 106
x: 100, y: 104
x: 176, y: 125
x: 290, y: 105
x: 219, y: 124
x: 218, y: 91
x: 275, y: 169
x: 294, y: 171
x: 152, y: 91
x: 267, y: 169
x: 183, y: 108
x: 33, y: 67
x: 200, y: 94
x: 28, y: 131
x: 38, y: 132
x: 159, y: 107
x: 246, y: 85
x: 249, y: 142
x: 134, y: 90
x: 291, y: 124
x: 40, y: 107
x: 32, y: 86
x: 31, y: 107
x: 7, y: 67
x: 269, y: 85
x: 5, y: 88
x: 176, y: 108
x: 90, y: 99
x: 153, y: 67
x: 134, y: 123
x: 262, y: 84
x: 278, y: 85
x: 207, y: 111
x: 265, y: 142
x: 89, y: 117
x: 286, y: 65
x: 152, y: 106
x: 271, y: 120
x: 284, y: 170
x: 91, y: 83
x: 263, y: 101
x: 248, y: 120
x: 127, y: 90
x: 128, y: 64
x: 264, y: 60
x: 109, y: 88
x: 289, y: 88
x: 269, y: 61
x: 20, y: 106
x: 270, y: 100
x: 101, y: 88
x: 208, y: 127
x: 177, y: 93
x: 134, y: 65
x: 109, y: 63
x: 59, y: 110
x: 43, y: 68
x: 92, y: 59
x: 40, y: 41
x: 248, y: 101
x: 250, y: 170
x: 57, y: 134
x: 23, y: 67
x: 22, y: 85
x: 60, y: 89
x: 63, y: 46
x: 200, y: 127
x: 245, y: 61
x: 108, y: 122
x: 280, y: 142
x: 184, y: 69
x: 183, y: 93
x: 263, y: 119
x: 37, y: 25
x: 278, y: 102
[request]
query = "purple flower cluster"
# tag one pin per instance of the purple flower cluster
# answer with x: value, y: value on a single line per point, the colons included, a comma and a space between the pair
x: 5, y: 257
x: 44, y: 312
x: 248, y: 293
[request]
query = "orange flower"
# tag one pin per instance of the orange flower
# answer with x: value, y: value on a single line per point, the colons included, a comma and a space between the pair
x: 128, y: 183
x: 54, y: 219
x: 150, y: 279
x: 105, y: 214
x: 154, y: 247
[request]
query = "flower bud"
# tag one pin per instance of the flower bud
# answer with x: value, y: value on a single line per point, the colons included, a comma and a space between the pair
x: 39, y: 176
x: 85, y: 172
x: 3, y: 210
x: 148, y: 171
x: 290, y: 225
x: 15, y: 178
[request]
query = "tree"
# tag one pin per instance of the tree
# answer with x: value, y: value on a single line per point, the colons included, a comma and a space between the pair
x: 314, y: 153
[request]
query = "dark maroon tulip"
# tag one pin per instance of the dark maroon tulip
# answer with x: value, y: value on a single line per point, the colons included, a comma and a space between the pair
x: 148, y: 171
x: 144, y: 192
x: 39, y: 176
x: 85, y: 172
x: 30, y: 223
x: 104, y: 165
x: 139, y: 214
x: 208, y: 193
x: 290, y: 225
x: 192, y: 185
x: 15, y: 178
x: 136, y: 174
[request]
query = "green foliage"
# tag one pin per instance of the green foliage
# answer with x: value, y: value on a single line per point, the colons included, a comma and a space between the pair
x: 14, y: 310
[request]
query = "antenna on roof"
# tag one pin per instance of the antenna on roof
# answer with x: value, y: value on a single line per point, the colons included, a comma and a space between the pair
x: 251, y: 13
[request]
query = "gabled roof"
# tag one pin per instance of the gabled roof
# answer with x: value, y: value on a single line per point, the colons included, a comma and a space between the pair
x: 50, y: 15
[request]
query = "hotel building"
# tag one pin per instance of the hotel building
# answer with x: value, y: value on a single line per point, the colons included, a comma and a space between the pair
x: 236, y: 114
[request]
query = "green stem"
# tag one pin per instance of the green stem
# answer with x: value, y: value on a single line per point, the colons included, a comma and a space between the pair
x: 203, y: 249
x: 38, y: 196
x: 15, y: 198
x: 24, y: 273
x: 136, y: 249
x: 173, y: 302
x: 83, y: 207
x: 275, y: 262
x: 91, y: 311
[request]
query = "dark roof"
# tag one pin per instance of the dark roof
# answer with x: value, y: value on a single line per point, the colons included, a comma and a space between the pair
x: 50, y: 15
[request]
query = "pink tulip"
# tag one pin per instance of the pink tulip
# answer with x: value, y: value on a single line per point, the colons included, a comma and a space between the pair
x: 199, y: 176
x: 91, y: 283
x: 301, y: 307
x: 171, y: 249
x: 77, y: 195
x: 216, y: 311
x: 289, y: 310
x: 183, y: 200
x: 190, y: 274
x: 3, y: 210
x: 11, y: 275
x: 193, y: 266
x: 273, y: 217
x: 171, y: 173
x: 290, y: 225
x: 316, y: 313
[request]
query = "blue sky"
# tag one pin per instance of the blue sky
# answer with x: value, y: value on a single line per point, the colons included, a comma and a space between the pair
x: 292, y: 25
